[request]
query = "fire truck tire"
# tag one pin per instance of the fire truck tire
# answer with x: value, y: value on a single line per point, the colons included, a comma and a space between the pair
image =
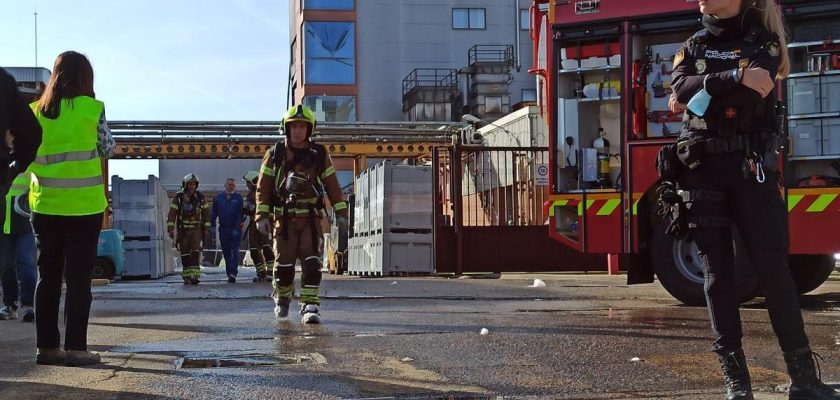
x: 810, y: 270
x: 677, y: 266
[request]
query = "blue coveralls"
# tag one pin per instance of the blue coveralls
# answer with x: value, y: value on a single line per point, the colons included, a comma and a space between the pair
x: 228, y: 208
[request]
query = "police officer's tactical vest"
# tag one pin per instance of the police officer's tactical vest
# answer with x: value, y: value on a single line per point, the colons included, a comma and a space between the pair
x: 67, y: 172
x: 728, y: 115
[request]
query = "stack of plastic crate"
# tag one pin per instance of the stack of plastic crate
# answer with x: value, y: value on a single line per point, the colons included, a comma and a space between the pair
x: 140, y: 208
x: 393, y: 222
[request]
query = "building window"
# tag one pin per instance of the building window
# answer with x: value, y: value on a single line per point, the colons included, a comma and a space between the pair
x: 524, y: 19
x: 493, y: 105
x: 329, y: 53
x: 332, y: 108
x: 529, y: 95
x: 328, y: 4
x: 468, y: 18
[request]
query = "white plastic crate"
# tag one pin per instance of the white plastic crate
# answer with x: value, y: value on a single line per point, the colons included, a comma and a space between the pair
x: 148, y: 223
x: 391, y: 254
x: 138, y: 193
x: 400, y: 199
x: 148, y: 258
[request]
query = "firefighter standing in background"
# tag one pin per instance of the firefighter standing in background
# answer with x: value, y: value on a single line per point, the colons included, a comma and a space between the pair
x: 290, y: 191
x: 723, y: 172
x: 258, y: 244
x: 190, y: 214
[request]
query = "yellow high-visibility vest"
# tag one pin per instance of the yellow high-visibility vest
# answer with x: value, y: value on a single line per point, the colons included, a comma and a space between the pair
x: 67, y: 172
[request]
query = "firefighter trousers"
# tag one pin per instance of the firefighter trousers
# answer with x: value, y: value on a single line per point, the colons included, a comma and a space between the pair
x: 298, y: 245
x: 260, y: 248
x: 189, y: 245
x: 760, y: 214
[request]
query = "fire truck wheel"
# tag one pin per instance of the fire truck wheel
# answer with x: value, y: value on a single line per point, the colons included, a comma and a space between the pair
x: 678, y: 267
x: 810, y: 270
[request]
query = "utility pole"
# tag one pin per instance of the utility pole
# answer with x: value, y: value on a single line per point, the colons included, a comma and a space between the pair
x: 36, y: 39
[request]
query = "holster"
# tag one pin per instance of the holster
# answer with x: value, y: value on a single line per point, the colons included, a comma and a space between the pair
x: 668, y: 163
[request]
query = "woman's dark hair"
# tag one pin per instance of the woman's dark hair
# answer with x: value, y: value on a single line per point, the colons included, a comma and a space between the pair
x: 72, y: 76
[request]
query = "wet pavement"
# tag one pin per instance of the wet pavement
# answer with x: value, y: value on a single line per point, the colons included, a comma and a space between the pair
x: 580, y: 337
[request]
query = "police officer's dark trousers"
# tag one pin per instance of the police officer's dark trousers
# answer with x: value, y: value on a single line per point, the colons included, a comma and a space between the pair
x: 760, y: 215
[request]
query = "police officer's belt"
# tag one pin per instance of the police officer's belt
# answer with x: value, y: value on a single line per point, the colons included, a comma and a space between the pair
x: 720, y: 145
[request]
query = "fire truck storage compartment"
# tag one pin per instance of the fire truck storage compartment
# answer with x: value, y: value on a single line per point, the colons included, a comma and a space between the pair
x: 805, y: 136
x: 831, y: 136
x: 661, y: 121
x: 831, y: 91
x: 804, y: 95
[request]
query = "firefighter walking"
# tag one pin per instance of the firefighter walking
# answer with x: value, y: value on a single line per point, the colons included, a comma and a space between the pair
x: 290, y: 188
x: 259, y: 244
x: 190, y: 214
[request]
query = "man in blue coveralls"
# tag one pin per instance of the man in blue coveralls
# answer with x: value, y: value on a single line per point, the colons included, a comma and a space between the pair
x: 228, y: 208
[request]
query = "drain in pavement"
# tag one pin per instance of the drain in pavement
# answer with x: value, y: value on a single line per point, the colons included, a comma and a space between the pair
x: 251, y: 360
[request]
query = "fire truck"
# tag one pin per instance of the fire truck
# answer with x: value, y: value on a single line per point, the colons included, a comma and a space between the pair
x: 604, y: 72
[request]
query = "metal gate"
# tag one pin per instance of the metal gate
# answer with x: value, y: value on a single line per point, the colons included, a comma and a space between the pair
x: 489, y: 214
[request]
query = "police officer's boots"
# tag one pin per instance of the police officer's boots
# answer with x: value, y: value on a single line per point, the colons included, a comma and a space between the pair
x: 736, y: 376
x: 804, y: 382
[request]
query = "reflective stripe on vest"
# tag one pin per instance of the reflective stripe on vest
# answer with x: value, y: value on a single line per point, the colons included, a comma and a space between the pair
x: 19, y: 186
x: 67, y: 172
x: 69, y: 156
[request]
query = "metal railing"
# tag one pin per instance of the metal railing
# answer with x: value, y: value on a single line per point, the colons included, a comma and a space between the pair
x: 491, y: 54
x: 430, y: 78
x: 493, y: 186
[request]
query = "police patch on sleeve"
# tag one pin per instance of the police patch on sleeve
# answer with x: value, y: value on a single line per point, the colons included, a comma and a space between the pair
x: 700, y: 66
x: 773, y: 49
x: 678, y: 58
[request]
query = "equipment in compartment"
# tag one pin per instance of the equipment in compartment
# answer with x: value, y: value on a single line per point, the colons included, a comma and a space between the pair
x: 658, y: 66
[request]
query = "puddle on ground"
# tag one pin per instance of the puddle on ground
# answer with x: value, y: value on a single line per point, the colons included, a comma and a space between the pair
x: 251, y: 360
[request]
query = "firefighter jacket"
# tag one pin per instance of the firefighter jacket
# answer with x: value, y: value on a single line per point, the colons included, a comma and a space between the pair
x: 188, y: 212
x: 315, y: 163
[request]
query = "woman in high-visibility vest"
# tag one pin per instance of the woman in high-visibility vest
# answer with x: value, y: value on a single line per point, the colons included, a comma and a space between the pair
x: 67, y: 197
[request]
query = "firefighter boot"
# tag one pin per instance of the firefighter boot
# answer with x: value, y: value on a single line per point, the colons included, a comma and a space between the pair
x: 804, y: 382
x: 310, y: 314
x: 281, y: 307
x: 736, y: 376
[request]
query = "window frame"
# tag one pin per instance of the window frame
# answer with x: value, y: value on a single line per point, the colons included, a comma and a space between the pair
x: 527, y: 26
x: 355, y: 102
x: 307, y: 60
x: 469, y: 20
x: 528, y: 90
x: 304, y: 7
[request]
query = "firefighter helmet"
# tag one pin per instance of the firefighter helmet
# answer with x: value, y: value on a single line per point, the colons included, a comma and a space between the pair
x: 189, y: 178
x: 299, y: 113
x: 251, y: 176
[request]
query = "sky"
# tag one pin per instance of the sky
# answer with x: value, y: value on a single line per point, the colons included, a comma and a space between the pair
x: 162, y: 60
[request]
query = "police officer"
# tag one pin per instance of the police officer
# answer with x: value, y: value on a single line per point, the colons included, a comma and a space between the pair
x: 722, y: 173
x: 190, y: 214
x: 258, y: 244
x: 290, y: 189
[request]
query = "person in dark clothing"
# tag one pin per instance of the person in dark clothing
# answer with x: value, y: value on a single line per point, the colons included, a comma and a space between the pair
x: 228, y: 209
x: 722, y: 172
x: 21, y: 130
x: 259, y: 245
x: 19, y: 253
x: 22, y: 136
